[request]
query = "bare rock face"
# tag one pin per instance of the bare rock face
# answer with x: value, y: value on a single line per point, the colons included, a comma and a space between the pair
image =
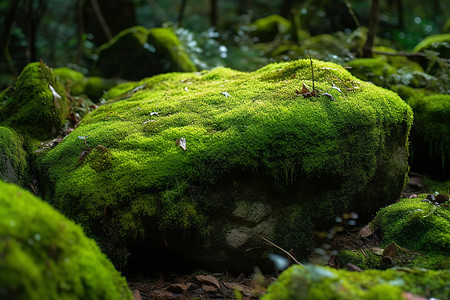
x: 205, y: 165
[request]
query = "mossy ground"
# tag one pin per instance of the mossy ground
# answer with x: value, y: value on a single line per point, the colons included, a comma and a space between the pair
x: 38, y: 105
x: 45, y: 256
x: 314, y: 282
x: 240, y: 122
x: 268, y: 28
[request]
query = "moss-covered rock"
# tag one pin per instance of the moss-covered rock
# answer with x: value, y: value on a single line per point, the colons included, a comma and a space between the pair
x: 376, y: 70
x: 251, y: 144
x: 439, y: 43
x: 314, y: 282
x: 73, y: 81
x: 138, y: 52
x: 268, y: 28
x: 420, y: 226
x: 13, y: 158
x: 38, y: 105
x: 430, y: 135
x: 45, y: 256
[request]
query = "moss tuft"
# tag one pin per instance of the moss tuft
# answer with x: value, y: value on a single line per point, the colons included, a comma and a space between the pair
x: 268, y: 28
x: 73, y: 81
x: 38, y: 106
x: 438, y: 42
x: 46, y: 256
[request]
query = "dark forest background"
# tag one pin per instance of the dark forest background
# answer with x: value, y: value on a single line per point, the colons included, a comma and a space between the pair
x: 68, y: 33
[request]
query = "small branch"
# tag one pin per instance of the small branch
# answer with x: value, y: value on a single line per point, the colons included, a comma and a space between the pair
x: 101, y: 19
x: 312, y: 72
x: 284, y: 251
x: 352, y: 13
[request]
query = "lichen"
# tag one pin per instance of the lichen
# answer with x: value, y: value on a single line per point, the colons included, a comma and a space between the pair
x: 38, y: 105
x: 13, y: 158
x: 315, y: 282
x: 45, y: 256
x: 233, y: 123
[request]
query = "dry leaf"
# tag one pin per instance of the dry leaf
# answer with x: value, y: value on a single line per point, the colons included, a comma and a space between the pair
x: 391, y: 250
x: 329, y: 96
x: 178, y: 288
x: 305, y: 92
x: 365, y: 231
x: 137, y: 295
x: 225, y: 94
x: 241, y: 288
x: 208, y: 279
x: 209, y: 288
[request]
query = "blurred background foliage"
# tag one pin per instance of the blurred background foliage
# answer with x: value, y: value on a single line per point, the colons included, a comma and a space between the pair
x: 213, y: 32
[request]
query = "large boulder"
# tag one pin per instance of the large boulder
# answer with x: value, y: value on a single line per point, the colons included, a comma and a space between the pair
x: 207, y: 164
x: 37, y: 106
x: 45, y: 256
x: 322, y: 283
x: 138, y: 52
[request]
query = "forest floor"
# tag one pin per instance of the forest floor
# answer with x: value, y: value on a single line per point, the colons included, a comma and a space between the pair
x: 204, y: 285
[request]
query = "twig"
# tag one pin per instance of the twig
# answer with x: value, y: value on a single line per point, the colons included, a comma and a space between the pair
x: 312, y: 72
x: 101, y: 19
x: 408, y: 54
x: 352, y: 13
x: 287, y: 253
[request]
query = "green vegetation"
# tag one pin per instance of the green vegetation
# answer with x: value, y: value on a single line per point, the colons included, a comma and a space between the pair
x: 431, y: 130
x: 439, y: 43
x: 245, y: 123
x: 46, y: 256
x: 314, y: 282
x: 38, y: 105
x: 13, y: 158
x: 138, y: 52
x: 271, y: 27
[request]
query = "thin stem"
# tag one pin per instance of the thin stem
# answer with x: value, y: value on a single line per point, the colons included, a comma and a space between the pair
x: 287, y: 253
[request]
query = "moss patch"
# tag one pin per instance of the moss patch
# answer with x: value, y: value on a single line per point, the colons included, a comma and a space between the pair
x: 13, y: 158
x: 439, y: 43
x: 138, y: 52
x: 431, y: 130
x: 45, y: 256
x: 314, y: 282
x: 417, y: 226
x: 73, y: 81
x: 316, y: 157
x: 38, y: 106
x: 268, y: 28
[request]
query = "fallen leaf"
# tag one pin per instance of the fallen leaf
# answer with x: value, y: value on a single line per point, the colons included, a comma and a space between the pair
x: 178, y: 288
x: 208, y: 279
x: 365, y: 231
x: 209, y: 288
x: 154, y: 113
x: 336, y: 88
x: 186, y: 89
x: 390, y: 250
x: 237, y: 286
x: 410, y: 296
x: 56, y: 96
x: 137, y: 295
x: 353, y: 267
x: 305, y: 92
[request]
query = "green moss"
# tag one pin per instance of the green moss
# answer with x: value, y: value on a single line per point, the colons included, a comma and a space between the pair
x: 415, y: 225
x: 376, y: 70
x: 13, y: 158
x: 439, y: 43
x: 38, y: 106
x: 436, y: 186
x: 365, y: 260
x: 315, y: 153
x: 268, y: 28
x: 314, y: 282
x: 45, y: 256
x: 431, y: 130
x: 97, y: 86
x: 138, y: 52
x: 73, y: 81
